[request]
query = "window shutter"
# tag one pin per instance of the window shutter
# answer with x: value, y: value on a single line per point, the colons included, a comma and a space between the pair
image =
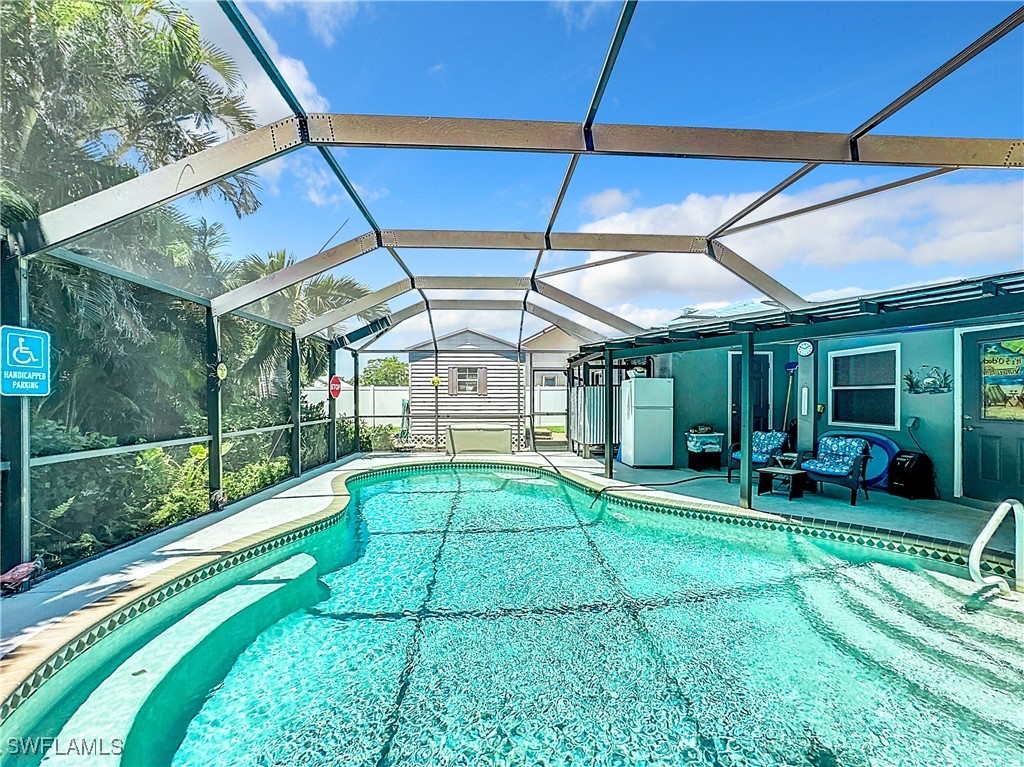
x: 453, y: 381
x: 481, y: 381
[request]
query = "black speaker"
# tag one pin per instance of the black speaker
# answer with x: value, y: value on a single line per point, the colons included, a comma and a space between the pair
x: 911, y: 475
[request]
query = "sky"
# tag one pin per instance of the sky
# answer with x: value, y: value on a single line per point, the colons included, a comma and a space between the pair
x: 817, y: 66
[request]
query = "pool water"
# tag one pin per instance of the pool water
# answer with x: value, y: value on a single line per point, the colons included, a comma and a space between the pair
x: 499, y: 619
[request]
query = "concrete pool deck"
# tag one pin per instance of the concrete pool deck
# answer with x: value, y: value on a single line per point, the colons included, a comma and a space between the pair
x: 73, y: 599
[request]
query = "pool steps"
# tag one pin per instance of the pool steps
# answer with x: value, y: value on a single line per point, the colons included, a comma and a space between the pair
x: 171, y: 674
x: 907, y: 653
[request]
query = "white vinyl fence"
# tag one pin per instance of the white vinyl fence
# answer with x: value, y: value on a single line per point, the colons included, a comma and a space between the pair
x: 383, y: 404
x: 377, y: 404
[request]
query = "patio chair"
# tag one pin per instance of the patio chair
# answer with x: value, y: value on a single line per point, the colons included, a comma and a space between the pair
x: 765, y: 446
x: 839, y: 461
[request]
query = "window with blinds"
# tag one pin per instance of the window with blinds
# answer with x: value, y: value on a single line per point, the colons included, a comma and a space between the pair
x: 864, y: 388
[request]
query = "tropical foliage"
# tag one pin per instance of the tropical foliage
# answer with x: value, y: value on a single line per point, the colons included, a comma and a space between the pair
x: 93, y: 94
x: 385, y: 371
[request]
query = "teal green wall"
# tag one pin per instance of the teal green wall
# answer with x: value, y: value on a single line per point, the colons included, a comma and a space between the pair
x: 936, y: 431
x: 702, y: 396
x: 701, y: 384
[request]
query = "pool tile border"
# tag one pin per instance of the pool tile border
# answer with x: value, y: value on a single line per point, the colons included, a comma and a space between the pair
x: 31, y: 664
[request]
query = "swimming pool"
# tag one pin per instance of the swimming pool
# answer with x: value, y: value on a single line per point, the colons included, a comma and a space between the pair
x: 497, y: 617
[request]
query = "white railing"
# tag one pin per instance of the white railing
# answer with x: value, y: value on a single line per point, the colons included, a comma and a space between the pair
x: 974, y: 560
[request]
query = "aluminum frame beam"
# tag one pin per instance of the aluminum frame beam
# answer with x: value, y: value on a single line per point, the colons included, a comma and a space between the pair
x: 569, y: 326
x: 400, y: 132
x: 838, y: 201
x: 446, y: 240
x: 592, y: 264
x: 586, y: 308
x: 750, y: 274
x: 290, y: 275
x: 407, y: 313
x: 997, y: 32
x: 1000, y: 30
x: 353, y: 308
x: 211, y: 165
x: 472, y: 283
x: 159, y: 186
x: 564, y: 323
x: 478, y: 304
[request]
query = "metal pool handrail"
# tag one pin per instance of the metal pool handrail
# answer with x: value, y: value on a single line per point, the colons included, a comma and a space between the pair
x: 974, y: 560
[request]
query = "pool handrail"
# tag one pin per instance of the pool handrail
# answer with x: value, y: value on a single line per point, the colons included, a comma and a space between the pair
x: 974, y: 559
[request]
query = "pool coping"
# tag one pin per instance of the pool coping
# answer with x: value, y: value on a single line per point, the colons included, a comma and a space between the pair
x: 29, y: 665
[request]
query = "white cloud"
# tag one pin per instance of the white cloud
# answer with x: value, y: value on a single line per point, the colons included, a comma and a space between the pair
x: 318, y: 183
x: 607, y: 202
x: 977, y: 224
x: 437, y: 70
x: 325, y: 18
x: 578, y: 13
x: 645, y: 316
x: 370, y: 194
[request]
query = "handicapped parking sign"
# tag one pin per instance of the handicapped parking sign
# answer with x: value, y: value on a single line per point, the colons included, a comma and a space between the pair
x: 24, y: 362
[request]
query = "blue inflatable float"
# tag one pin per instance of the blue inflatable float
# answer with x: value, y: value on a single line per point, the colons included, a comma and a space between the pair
x: 882, y: 451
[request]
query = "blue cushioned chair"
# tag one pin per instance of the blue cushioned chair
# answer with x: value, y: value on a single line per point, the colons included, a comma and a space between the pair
x: 839, y: 461
x: 766, y: 445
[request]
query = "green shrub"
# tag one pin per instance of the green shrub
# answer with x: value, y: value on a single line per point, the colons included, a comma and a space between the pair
x: 187, y: 494
x: 253, y: 477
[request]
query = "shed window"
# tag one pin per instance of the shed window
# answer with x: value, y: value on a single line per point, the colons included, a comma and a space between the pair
x: 467, y: 381
x: 550, y: 381
x: 863, y: 387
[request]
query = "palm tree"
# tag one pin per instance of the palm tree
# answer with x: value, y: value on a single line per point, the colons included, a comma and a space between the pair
x: 94, y: 93
x: 270, y: 350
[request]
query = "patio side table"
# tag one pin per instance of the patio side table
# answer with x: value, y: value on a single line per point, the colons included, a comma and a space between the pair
x: 796, y: 479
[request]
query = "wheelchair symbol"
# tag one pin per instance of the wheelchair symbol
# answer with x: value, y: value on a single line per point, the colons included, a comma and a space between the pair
x: 22, y: 354
x: 24, y: 351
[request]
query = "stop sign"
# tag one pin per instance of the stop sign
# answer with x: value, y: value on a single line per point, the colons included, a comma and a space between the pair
x: 335, y: 386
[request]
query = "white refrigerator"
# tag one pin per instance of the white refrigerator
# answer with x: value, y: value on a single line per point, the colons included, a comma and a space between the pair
x: 647, y: 422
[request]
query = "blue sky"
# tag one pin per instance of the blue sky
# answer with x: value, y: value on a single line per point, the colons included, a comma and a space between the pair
x: 799, y: 66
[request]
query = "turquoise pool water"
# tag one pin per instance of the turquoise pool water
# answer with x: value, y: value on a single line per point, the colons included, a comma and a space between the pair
x: 498, y: 619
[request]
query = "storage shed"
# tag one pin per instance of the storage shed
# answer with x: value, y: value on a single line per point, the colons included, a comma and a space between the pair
x: 480, y: 378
